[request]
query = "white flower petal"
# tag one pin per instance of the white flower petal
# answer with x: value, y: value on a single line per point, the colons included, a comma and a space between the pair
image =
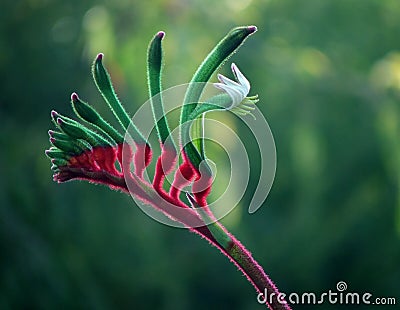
x: 227, y: 81
x: 237, y: 90
x: 241, y: 78
x: 235, y: 95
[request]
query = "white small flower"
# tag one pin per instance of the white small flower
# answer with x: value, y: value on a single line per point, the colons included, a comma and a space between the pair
x: 238, y: 91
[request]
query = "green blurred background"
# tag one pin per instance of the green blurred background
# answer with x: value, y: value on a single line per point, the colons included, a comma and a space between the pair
x: 328, y: 75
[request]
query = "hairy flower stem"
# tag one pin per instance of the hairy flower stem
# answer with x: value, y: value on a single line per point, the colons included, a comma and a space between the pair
x: 243, y: 259
x: 218, y: 236
x: 245, y: 262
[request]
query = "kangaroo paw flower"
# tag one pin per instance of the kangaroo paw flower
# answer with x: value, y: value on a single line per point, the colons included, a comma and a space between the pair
x: 91, y: 149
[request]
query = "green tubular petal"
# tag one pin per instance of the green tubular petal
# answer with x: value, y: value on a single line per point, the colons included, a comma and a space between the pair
x: 54, y: 168
x: 54, y: 116
x: 66, y: 145
x: 224, y: 49
x: 154, y: 67
x: 217, y: 102
x: 83, y: 145
x: 90, y: 115
x: 103, y: 83
x: 59, y: 162
x: 77, y: 131
x: 203, y: 108
x: 56, y: 153
x: 223, y: 100
x: 58, y: 135
x: 197, y: 134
